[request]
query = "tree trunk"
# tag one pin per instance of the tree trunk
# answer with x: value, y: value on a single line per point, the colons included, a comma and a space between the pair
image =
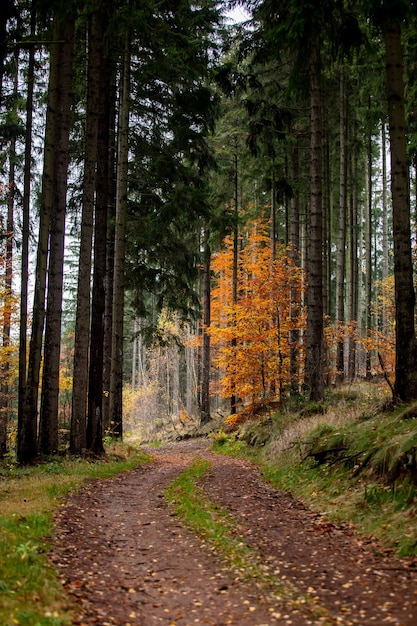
x: 8, y: 279
x: 327, y: 221
x: 109, y: 261
x: 24, y: 279
x: 233, y: 398
x: 205, y: 357
x: 135, y: 352
x: 27, y: 445
x: 48, y: 423
x: 314, y: 332
x: 352, y: 273
x: 294, y: 240
x: 105, y: 166
x: 368, y: 253
x: 8, y: 276
x: 116, y: 387
x: 7, y: 10
x: 405, y: 387
x: 192, y: 365
x: 82, y: 320
x: 341, y: 241
x: 274, y: 216
x: 385, y: 236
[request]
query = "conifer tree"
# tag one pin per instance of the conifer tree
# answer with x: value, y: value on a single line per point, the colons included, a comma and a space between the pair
x: 405, y: 388
x: 48, y: 425
x: 116, y: 376
x: 26, y: 202
x: 82, y: 321
x: 8, y: 10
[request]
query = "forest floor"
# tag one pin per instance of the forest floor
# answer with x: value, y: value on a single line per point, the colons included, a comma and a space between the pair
x: 126, y: 559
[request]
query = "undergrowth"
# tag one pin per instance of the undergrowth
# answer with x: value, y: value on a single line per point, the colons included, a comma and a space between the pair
x: 357, y: 463
x: 30, y: 593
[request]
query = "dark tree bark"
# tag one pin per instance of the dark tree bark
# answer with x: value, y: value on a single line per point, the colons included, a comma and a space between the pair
x: 116, y: 386
x: 368, y: 251
x: 48, y: 424
x: 314, y: 379
x: 82, y: 320
x: 328, y: 210
x: 385, y: 233
x: 341, y: 241
x: 352, y: 283
x: 104, y: 167
x: 294, y: 241
x: 109, y: 276
x: 205, y: 357
x: 8, y: 277
x: 405, y: 387
x: 24, y: 278
x: 27, y: 444
x: 7, y: 10
x: 234, y: 399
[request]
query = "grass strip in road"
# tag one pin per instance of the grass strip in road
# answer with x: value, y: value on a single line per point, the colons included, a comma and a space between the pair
x: 216, y: 528
x: 30, y: 592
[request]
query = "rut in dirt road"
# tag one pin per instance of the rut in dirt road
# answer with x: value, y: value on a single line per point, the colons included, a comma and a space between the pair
x: 126, y: 558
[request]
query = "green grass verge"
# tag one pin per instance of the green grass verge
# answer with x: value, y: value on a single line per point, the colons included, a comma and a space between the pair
x: 30, y: 592
x: 216, y: 528
x: 356, y: 463
x: 370, y: 482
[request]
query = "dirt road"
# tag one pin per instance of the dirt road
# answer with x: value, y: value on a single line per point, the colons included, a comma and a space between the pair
x: 126, y: 558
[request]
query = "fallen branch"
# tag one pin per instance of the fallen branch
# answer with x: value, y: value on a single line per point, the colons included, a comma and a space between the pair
x: 347, y: 457
x: 384, y: 371
x: 321, y: 455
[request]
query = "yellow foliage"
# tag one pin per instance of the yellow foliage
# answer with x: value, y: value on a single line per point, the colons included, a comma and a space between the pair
x: 184, y: 417
x: 251, y: 337
x: 232, y: 420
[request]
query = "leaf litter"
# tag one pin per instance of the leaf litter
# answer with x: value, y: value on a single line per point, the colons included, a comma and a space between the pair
x: 127, y: 560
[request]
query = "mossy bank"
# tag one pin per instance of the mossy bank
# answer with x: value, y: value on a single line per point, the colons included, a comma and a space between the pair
x: 353, y: 458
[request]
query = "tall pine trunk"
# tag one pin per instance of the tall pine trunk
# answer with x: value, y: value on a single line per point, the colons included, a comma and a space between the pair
x: 405, y: 387
x: 8, y: 277
x: 294, y: 241
x: 352, y: 264
x: 116, y: 384
x: 48, y: 423
x: 27, y: 444
x: 24, y: 278
x: 341, y: 240
x: 82, y: 321
x: 314, y: 379
x: 109, y: 261
x: 7, y: 10
x: 385, y: 235
x: 104, y: 167
x: 368, y: 253
x: 205, y: 357
x: 233, y: 398
x: 327, y: 221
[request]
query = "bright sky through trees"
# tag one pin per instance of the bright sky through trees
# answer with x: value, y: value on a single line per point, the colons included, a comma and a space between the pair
x: 237, y: 15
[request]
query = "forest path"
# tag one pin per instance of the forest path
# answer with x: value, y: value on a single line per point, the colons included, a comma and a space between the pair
x: 127, y: 560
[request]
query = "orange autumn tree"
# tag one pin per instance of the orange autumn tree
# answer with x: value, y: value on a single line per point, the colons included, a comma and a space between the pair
x: 378, y: 342
x: 251, y: 336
